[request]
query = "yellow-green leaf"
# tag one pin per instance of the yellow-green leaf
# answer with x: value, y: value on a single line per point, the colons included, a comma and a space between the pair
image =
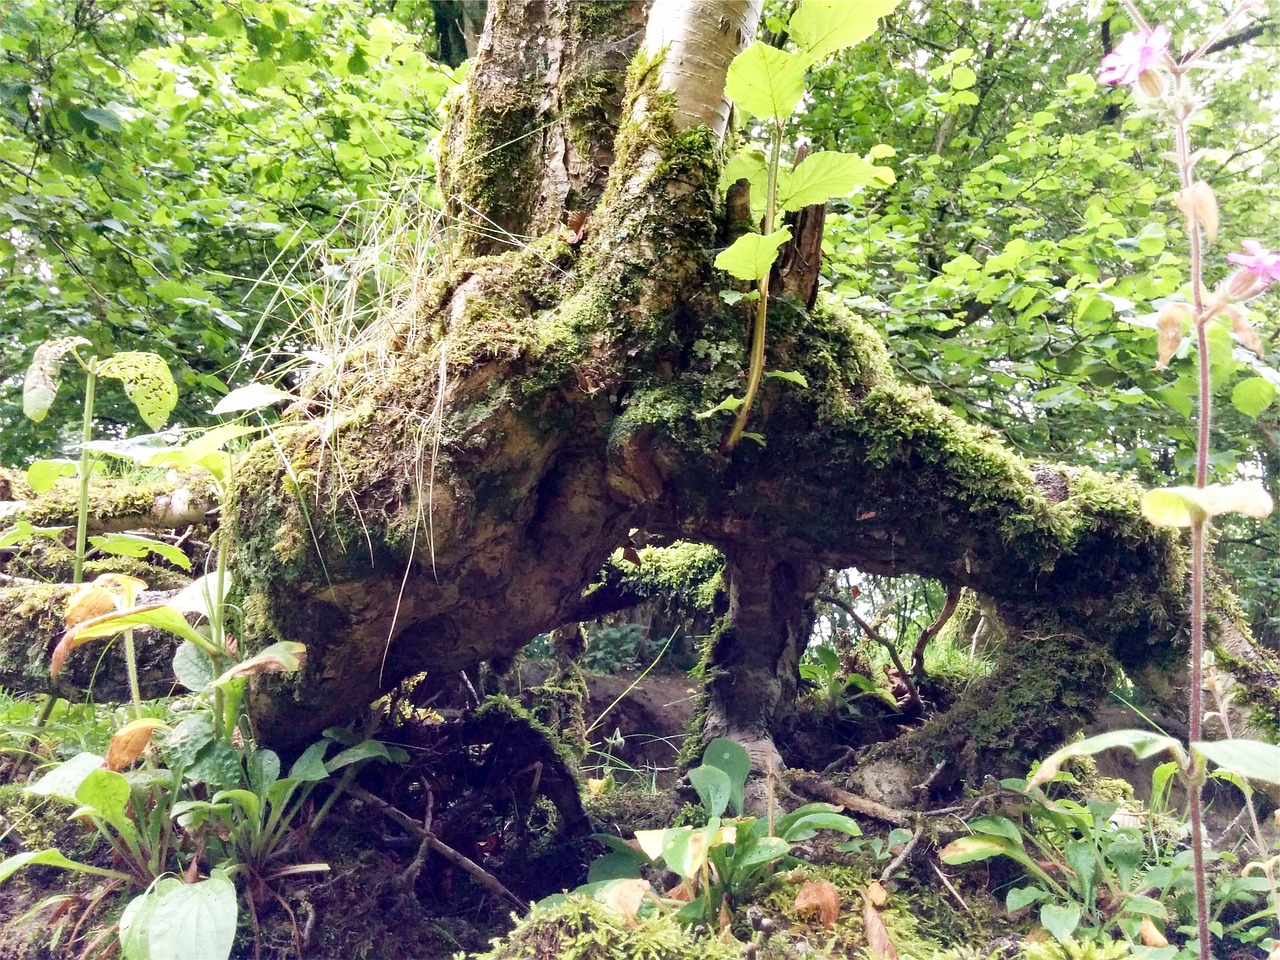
x: 765, y: 81
x: 40, y: 387
x: 1182, y: 506
x: 821, y: 27
x: 750, y: 257
x: 147, y: 382
x: 821, y: 176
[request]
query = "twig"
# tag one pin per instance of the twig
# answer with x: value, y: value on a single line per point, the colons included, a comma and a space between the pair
x: 847, y: 607
x: 868, y: 808
x: 478, y: 873
x: 410, y: 874
x: 932, y: 630
x: 896, y: 863
x: 950, y: 889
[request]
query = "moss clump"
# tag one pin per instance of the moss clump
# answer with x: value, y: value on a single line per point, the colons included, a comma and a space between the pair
x: 581, y: 929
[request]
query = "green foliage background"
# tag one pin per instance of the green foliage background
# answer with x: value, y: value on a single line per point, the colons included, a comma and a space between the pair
x: 158, y: 160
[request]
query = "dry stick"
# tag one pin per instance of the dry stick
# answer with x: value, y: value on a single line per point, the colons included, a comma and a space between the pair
x: 932, y: 630
x: 871, y: 632
x: 952, y: 890
x: 851, y: 801
x: 896, y: 863
x: 411, y: 826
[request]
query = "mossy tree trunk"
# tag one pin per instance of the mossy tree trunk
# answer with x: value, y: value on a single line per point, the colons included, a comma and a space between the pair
x: 542, y: 401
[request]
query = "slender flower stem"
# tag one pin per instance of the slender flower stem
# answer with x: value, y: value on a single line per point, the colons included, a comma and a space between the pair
x: 86, y: 436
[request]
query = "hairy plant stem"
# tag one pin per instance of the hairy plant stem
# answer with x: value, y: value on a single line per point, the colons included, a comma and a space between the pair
x: 756, y: 370
x: 86, y: 436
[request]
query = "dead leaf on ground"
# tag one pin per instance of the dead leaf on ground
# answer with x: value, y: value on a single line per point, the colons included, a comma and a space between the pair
x: 820, y: 897
x: 877, y: 894
x: 625, y: 896
x: 878, y: 940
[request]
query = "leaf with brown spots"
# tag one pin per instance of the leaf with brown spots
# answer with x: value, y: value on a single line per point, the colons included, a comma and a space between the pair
x: 820, y: 897
x: 287, y: 656
x: 88, y: 601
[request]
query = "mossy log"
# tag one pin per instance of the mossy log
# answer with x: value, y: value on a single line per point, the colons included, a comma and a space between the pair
x: 440, y: 500
x: 30, y: 627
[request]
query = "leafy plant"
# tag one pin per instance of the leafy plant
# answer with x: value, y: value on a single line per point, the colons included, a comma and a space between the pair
x: 147, y: 383
x: 1161, y: 85
x: 719, y: 861
x: 768, y: 84
x: 836, y: 687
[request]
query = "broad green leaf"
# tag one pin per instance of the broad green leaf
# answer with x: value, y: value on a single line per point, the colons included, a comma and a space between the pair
x: 42, y: 474
x: 1143, y: 743
x: 962, y: 78
x: 1060, y: 920
x: 106, y: 792
x: 284, y: 656
x: 613, y: 866
x: 727, y: 405
x: 192, y: 667
x: 713, y: 788
x: 733, y: 759
x: 653, y: 842
x: 802, y: 828
x: 51, y: 858
x: 253, y: 397
x: 147, y: 382
x: 1251, y: 396
x: 979, y: 847
x: 365, y: 750
x: 761, y: 850
x: 130, y: 545
x: 790, y: 376
x: 310, y: 766
x: 996, y: 827
x: 1251, y: 759
x: 823, y: 176
x: 1182, y: 506
x: 1151, y: 239
x: 1019, y: 897
x: 747, y: 164
x: 751, y: 256
x: 40, y: 388
x: 199, y: 595
x: 158, y: 615
x: 247, y: 799
x: 190, y: 453
x: 821, y: 27
x: 194, y: 921
x: 102, y: 117
x: 765, y: 81
x: 64, y: 780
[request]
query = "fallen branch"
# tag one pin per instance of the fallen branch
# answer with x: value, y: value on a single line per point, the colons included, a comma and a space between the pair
x: 411, y: 826
x: 912, y: 693
x: 868, y: 808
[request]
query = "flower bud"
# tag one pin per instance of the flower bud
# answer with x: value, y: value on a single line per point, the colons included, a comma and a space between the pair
x: 1243, y: 285
x: 1151, y: 83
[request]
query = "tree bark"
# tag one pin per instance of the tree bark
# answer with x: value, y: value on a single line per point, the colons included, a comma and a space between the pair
x: 547, y: 401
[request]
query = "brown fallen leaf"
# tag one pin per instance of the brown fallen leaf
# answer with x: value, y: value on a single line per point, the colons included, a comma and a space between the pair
x: 1151, y: 935
x: 877, y: 894
x: 129, y: 741
x: 878, y: 940
x: 625, y: 896
x: 820, y: 897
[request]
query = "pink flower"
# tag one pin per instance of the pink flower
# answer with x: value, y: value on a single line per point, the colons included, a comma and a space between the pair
x: 1136, y: 54
x: 1259, y: 261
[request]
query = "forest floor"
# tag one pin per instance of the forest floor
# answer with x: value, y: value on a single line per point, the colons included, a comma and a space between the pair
x: 382, y: 899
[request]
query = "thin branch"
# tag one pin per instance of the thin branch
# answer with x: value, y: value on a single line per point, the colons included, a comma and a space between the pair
x: 847, y: 607
x: 411, y: 826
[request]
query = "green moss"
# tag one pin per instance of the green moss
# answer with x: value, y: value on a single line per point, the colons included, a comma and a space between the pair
x: 581, y: 929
